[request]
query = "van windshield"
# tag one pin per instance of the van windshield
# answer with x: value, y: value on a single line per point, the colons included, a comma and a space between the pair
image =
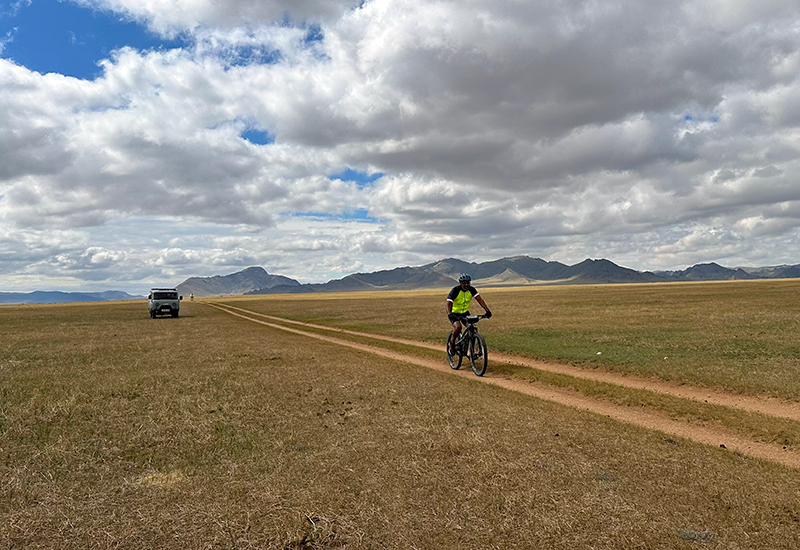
x: 165, y: 295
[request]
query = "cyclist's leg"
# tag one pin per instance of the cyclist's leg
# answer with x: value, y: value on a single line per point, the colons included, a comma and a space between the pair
x: 456, y: 333
x: 457, y: 327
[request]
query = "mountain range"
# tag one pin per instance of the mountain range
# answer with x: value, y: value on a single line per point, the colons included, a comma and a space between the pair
x: 242, y: 282
x: 519, y: 270
x: 715, y: 272
x: 515, y: 271
x: 56, y: 297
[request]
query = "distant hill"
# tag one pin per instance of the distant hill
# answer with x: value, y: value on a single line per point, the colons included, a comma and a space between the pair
x: 519, y: 270
x: 605, y: 271
x: 56, y: 297
x: 526, y: 270
x: 775, y: 272
x: 242, y: 282
x: 514, y: 271
x: 707, y: 272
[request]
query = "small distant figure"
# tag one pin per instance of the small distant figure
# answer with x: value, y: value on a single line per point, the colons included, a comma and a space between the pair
x: 191, y: 297
x: 458, y: 305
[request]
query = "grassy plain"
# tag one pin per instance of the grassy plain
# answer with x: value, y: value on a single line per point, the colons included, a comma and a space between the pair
x: 209, y: 431
x: 740, y: 336
x: 737, y: 336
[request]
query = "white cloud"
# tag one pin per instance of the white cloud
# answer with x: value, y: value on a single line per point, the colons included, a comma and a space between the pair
x: 654, y: 134
x: 173, y: 16
x: 7, y: 39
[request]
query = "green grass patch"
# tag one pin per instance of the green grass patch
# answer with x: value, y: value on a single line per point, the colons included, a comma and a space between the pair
x: 739, y: 336
x: 210, y: 431
x: 758, y: 426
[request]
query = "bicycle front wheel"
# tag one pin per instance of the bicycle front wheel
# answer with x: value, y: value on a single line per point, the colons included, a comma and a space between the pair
x: 453, y: 360
x: 478, y: 356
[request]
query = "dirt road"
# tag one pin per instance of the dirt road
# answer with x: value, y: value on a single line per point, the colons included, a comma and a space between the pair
x: 717, y: 437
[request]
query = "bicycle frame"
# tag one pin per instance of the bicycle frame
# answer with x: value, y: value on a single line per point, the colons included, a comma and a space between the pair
x: 471, y: 344
x: 469, y: 323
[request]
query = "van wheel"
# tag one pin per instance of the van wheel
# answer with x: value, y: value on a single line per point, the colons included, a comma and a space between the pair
x: 152, y: 314
x: 174, y: 313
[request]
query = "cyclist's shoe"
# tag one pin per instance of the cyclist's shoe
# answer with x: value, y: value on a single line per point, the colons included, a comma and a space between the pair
x: 451, y: 349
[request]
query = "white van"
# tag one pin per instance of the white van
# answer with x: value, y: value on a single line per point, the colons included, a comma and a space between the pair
x: 164, y: 301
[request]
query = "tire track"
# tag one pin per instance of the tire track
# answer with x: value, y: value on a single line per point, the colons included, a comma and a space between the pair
x: 645, y: 419
x: 779, y: 408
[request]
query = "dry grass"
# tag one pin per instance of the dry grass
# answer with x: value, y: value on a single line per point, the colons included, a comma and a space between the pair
x: 207, y: 431
x: 740, y: 336
x: 755, y: 426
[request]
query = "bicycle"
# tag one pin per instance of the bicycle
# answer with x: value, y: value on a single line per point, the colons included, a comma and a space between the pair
x: 470, y: 344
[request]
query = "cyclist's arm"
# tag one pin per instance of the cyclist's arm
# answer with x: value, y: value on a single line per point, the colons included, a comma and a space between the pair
x: 449, y: 306
x: 482, y: 303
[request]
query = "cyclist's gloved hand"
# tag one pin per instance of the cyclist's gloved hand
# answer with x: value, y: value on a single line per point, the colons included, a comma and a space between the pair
x: 488, y: 314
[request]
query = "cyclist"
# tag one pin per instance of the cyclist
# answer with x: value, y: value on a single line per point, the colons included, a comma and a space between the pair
x: 458, y: 305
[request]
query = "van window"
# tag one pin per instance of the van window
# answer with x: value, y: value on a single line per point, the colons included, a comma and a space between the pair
x: 165, y: 295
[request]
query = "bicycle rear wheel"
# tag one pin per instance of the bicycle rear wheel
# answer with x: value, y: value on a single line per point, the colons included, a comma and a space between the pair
x: 478, y: 356
x: 453, y: 360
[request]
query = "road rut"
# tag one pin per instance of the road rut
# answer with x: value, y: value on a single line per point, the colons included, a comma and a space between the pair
x: 653, y: 421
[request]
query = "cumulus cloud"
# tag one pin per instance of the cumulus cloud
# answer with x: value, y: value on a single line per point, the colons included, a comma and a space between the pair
x: 655, y: 134
x: 169, y: 17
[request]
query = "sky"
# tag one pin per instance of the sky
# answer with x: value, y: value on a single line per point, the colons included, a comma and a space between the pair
x: 143, y: 142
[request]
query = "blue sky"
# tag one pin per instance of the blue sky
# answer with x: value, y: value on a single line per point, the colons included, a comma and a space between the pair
x: 326, y: 137
x: 361, y: 178
x: 65, y: 38
x: 51, y: 36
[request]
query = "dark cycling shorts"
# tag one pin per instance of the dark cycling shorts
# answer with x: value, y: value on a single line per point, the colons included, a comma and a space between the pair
x: 457, y: 317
